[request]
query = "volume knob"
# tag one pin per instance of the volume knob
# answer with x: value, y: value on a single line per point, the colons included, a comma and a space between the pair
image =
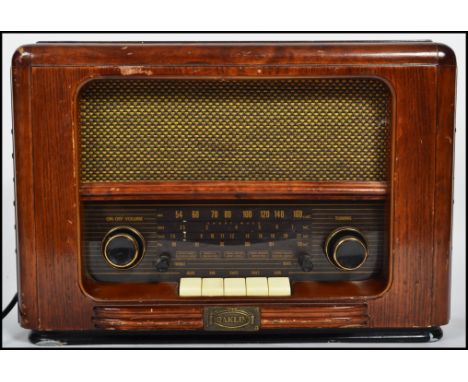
x: 346, y: 248
x: 123, y: 247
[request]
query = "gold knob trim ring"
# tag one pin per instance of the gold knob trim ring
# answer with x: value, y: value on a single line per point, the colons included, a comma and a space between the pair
x: 334, y: 258
x: 135, y: 238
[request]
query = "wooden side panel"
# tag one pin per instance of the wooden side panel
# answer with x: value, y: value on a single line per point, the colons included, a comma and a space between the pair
x: 443, y: 194
x: 24, y: 183
x: 409, y: 299
x: 62, y: 306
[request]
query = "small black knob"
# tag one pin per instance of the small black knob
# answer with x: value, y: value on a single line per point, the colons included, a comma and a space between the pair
x: 305, y: 261
x: 162, y: 262
x: 346, y: 248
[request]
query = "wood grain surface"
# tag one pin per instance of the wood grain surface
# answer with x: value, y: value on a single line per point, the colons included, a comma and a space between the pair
x: 54, y: 294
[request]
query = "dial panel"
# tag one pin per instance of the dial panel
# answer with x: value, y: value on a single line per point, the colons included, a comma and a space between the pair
x: 232, y: 239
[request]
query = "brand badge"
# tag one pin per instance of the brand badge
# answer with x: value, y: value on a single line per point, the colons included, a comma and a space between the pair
x: 231, y: 319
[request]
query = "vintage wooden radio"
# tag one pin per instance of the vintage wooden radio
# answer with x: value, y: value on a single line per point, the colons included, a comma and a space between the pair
x: 224, y: 188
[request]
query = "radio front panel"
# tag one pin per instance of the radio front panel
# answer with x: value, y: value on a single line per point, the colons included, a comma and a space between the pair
x: 271, y: 133
x: 232, y: 240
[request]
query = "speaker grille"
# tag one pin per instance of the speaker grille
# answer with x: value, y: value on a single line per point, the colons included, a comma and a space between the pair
x: 256, y: 129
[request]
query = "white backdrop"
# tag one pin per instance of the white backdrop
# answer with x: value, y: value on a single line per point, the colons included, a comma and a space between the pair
x: 13, y: 335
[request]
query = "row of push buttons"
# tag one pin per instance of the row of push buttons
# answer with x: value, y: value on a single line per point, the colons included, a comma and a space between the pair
x: 232, y: 287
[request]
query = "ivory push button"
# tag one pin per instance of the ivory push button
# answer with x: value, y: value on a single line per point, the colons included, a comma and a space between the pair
x: 190, y: 287
x: 279, y: 286
x: 256, y: 286
x: 212, y: 287
x: 234, y: 286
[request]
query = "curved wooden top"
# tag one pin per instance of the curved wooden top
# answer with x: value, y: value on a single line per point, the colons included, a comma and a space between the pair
x: 234, y: 53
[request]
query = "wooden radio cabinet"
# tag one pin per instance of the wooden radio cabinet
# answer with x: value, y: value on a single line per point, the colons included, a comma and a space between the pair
x: 233, y: 187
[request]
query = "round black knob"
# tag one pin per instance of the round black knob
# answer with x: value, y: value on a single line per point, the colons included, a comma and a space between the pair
x: 346, y: 248
x: 162, y: 262
x: 305, y: 261
x: 123, y: 247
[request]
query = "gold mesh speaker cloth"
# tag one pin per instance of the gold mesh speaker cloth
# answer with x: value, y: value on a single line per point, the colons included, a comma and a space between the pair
x: 255, y: 129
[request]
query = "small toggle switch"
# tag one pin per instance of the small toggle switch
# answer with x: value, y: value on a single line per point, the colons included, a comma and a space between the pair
x: 305, y: 261
x: 162, y: 262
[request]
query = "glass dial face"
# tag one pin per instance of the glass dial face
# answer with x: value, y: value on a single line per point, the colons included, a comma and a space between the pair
x: 231, y: 240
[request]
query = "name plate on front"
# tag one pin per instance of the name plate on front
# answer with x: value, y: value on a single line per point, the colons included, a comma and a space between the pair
x: 245, y: 318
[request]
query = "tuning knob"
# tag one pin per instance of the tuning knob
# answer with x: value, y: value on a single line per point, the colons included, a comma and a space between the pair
x: 346, y: 248
x: 123, y: 247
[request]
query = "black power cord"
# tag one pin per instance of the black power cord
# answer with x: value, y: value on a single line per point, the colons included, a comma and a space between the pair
x: 10, y: 306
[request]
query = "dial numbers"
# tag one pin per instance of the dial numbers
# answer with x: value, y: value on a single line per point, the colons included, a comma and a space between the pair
x: 234, y: 241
